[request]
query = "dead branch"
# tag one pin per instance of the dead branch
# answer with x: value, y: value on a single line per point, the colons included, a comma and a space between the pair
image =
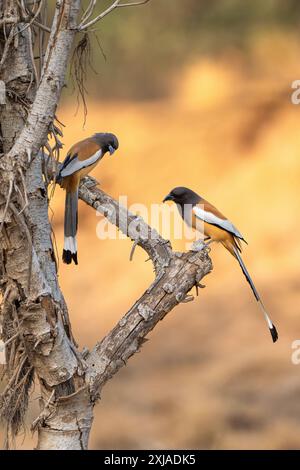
x: 35, y: 15
x: 176, y: 275
x: 7, y: 202
x: 116, y: 4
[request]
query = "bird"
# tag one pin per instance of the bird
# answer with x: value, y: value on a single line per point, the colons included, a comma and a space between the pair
x: 206, y: 218
x: 80, y: 160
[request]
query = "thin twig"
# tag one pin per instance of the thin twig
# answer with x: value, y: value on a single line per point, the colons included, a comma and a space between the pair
x: 59, y: 122
x: 42, y: 416
x: 6, y: 294
x: 56, y: 23
x: 20, y: 219
x: 89, y: 11
x: 133, y: 249
x: 7, y: 203
x: 15, y: 376
x: 32, y: 56
x: 11, y: 339
x: 7, y: 45
x: 22, y: 200
x: 42, y: 26
x: 113, y: 6
x: 32, y: 20
x: 25, y: 191
x: 133, y: 4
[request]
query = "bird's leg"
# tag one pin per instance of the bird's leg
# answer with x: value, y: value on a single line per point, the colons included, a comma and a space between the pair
x: 198, y: 245
x: 209, y: 242
x: 199, y: 286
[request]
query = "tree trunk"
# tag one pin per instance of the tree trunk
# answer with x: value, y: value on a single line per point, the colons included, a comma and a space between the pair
x: 35, y: 325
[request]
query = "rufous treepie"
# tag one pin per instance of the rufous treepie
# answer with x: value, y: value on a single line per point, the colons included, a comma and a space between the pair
x: 204, y: 217
x: 80, y: 160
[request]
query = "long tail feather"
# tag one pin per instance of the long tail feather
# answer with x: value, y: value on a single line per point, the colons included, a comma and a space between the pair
x: 270, y: 324
x: 70, y: 228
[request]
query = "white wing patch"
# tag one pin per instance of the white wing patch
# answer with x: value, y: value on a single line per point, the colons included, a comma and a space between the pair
x: 213, y: 219
x: 76, y: 165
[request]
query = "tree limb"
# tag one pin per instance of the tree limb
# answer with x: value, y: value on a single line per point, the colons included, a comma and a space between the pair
x: 176, y: 275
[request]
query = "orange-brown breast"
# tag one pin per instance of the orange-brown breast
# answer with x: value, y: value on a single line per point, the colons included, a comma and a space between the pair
x: 216, y: 233
x: 84, y: 150
x: 222, y: 236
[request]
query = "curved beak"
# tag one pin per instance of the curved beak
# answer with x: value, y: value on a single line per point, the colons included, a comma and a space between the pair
x: 111, y: 149
x: 169, y: 197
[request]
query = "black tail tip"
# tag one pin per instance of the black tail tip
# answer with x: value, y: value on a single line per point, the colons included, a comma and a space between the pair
x: 68, y: 257
x: 274, y: 334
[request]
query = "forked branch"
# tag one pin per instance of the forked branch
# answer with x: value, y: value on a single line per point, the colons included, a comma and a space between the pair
x: 176, y: 275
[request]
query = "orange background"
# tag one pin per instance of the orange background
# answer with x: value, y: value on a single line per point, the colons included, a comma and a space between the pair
x: 210, y: 376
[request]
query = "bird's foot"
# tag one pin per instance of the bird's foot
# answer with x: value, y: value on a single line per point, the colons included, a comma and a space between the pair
x: 199, y: 245
x: 90, y: 182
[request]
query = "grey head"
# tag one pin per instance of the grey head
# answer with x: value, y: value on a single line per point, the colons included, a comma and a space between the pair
x: 107, y: 141
x: 182, y: 196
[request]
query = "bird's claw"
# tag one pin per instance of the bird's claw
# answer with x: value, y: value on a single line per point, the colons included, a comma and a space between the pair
x: 199, y: 245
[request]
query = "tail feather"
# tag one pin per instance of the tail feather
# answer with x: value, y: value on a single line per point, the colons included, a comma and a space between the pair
x: 70, y: 228
x: 271, y: 325
x: 238, y: 244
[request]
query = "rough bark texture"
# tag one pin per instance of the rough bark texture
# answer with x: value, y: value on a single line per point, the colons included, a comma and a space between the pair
x: 34, y: 316
x: 35, y: 321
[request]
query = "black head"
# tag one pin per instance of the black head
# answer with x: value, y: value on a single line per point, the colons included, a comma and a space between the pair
x: 181, y: 195
x: 108, y: 142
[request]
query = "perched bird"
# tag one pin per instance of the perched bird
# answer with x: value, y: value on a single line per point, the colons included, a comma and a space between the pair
x: 80, y: 160
x: 203, y: 216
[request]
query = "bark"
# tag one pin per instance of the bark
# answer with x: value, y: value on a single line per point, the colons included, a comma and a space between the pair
x: 35, y: 323
x: 176, y: 275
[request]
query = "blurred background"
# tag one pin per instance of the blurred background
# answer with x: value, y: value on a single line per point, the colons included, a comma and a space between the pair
x: 199, y: 94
